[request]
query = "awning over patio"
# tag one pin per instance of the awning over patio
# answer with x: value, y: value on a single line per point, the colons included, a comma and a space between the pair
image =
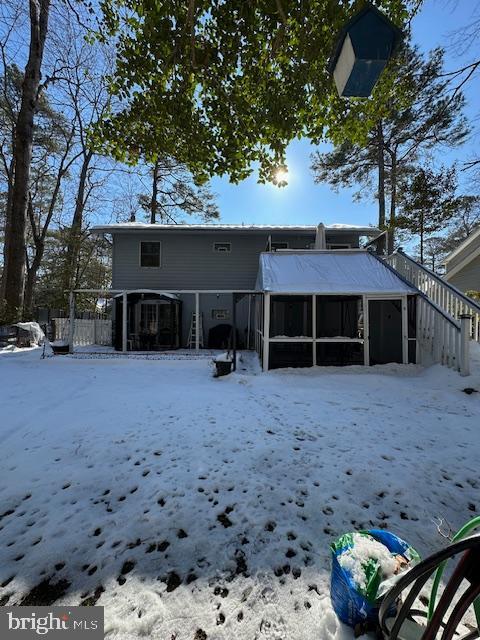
x: 339, y: 272
x: 172, y: 296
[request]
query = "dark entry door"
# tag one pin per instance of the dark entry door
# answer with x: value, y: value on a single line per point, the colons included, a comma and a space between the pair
x: 385, y: 331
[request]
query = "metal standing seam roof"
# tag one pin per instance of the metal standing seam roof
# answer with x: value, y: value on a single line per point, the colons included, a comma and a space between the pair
x: 310, y: 229
x: 329, y: 271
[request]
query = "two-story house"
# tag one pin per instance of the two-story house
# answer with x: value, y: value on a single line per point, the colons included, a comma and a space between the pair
x: 300, y: 295
x: 462, y: 266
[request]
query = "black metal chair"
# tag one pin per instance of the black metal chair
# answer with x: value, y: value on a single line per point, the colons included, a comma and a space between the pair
x: 444, y: 623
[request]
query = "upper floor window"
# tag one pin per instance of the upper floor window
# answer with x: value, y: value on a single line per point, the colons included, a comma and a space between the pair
x: 222, y: 247
x: 150, y: 254
x: 279, y: 245
x: 339, y: 246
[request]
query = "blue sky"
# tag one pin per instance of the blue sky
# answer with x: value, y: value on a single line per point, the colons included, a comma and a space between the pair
x: 302, y: 201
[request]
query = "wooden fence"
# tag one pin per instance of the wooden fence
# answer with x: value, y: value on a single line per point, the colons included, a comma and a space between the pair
x: 86, y: 331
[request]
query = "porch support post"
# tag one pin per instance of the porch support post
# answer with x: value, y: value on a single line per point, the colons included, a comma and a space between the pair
x: 234, y: 335
x: 71, y: 324
x: 197, y: 321
x: 366, y: 333
x: 249, y: 320
x: 314, y: 330
x: 124, y: 321
x: 465, y: 330
x: 405, y: 330
x: 266, y: 331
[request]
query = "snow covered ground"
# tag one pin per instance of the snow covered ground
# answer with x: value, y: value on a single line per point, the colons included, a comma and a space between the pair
x: 192, y: 507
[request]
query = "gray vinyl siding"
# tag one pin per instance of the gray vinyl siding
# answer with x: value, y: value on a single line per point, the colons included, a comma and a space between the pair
x: 209, y: 302
x: 464, y: 253
x: 189, y: 262
x: 468, y: 278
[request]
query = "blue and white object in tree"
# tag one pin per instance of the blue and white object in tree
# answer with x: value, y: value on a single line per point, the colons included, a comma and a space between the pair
x: 363, y: 49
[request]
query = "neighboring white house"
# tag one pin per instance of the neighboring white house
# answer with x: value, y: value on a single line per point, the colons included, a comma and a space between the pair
x: 463, y: 264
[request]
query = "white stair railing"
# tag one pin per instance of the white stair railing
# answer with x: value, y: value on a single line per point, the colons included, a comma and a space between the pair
x: 441, y: 339
x: 445, y: 296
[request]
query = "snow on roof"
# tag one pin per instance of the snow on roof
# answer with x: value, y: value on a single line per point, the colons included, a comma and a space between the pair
x: 144, y: 226
x: 327, y: 272
x: 339, y: 226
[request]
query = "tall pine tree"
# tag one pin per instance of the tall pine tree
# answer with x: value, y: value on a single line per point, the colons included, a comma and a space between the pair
x: 428, y: 203
x: 420, y: 115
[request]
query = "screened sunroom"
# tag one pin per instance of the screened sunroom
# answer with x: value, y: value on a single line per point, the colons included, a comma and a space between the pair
x: 332, y: 308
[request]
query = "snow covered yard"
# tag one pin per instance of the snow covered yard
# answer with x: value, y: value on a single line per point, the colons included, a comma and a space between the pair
x: 194, y: 508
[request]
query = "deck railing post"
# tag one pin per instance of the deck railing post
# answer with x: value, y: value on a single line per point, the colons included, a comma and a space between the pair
x: 465, y: 329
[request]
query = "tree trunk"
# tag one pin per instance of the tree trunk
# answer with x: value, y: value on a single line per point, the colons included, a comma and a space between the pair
x: 153, y: 201
x: 39, y: 234
x: 422, y: 233
x: 31, y: 280
x: 393, y: 204
x: 381, y: 176
x: 8, y: 217
x: 75, y: 233
x: 15, y: 233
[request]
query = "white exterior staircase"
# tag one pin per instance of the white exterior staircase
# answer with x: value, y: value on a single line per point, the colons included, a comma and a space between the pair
x: 446, y: 319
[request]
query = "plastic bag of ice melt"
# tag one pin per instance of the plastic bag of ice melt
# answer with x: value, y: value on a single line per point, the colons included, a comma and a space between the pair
x: 360, y: 563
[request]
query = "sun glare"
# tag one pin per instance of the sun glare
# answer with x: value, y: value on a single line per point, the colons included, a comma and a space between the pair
x: 280, y: 177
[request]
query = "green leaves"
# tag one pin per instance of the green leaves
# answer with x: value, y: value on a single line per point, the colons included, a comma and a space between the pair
x: 223, y: 85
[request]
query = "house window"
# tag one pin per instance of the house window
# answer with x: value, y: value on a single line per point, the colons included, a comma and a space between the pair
x: 339, y: 246
x: 222, y: 247
x: 279, y: 245
x: 150, y: 254
x: 220, y: 314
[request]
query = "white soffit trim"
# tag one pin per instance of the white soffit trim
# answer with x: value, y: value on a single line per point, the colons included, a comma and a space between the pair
x: 462, y: 245
x: 462, y: 264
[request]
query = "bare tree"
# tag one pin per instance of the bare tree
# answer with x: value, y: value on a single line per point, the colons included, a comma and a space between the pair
x: 16, y: 223
x: 88, y: 97
x: 41, y: 211
x: 464, y: 43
